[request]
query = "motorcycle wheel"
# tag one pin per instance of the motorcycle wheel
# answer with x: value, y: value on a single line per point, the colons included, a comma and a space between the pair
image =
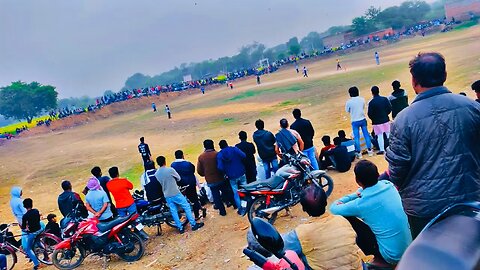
x: 183, y: 219
x: 326, y: 182
x: 44, y: 246
x: 10, y: 255
x: 68, y: 255
x: 139, y: 247
x: 258, y: 204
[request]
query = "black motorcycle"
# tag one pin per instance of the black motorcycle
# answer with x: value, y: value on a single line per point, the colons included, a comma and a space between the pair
x: 156, y: 213
x: 266, y: 198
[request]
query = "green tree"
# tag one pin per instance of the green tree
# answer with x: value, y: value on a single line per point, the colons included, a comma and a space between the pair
x: 312, y: 41
x: 293, y: 46
x: 362, y: 25
x: 137, y: 80
x: 26, y: 101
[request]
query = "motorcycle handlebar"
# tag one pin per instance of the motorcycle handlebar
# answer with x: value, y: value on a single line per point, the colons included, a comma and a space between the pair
x: 255, y: 257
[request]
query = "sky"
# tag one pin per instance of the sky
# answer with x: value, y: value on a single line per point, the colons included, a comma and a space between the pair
x: 88, y: 46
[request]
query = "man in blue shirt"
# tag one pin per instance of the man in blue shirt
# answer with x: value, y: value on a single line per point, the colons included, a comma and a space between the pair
x: 97, y: 202
x: 376, y: 214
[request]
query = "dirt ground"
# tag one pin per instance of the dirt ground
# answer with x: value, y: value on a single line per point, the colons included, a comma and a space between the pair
x: 40, y: 161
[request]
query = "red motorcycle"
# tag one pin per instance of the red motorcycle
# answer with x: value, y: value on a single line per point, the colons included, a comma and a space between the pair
x: 265, y: 198
x: 119, y: 236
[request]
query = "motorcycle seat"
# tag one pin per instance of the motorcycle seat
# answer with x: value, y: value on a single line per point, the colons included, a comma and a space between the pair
x: 452, y: 243
x: 270, y: 183
x: 105, y: 226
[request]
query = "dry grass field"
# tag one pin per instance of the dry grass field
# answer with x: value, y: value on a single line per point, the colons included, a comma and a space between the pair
x: 40, y: 162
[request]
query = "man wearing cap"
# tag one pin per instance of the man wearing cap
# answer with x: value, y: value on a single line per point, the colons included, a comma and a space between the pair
x: 97, y: 202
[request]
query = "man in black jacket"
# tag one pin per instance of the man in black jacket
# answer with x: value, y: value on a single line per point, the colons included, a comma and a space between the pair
x: 378, y: 110
x: 476, y: 88
x: 265, y: 142
x: 306, y: 131
x: 249, y: 149
x: 144, y: 151
x: 68, y: 200
x: 398, y: 99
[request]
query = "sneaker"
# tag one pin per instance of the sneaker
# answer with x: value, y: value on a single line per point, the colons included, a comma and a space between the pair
x: 359, y: 155
x: 380, y: 152
x: 181, y: 231
x: 370, y: 153
x: 197, y: 226
x: 223, y: 214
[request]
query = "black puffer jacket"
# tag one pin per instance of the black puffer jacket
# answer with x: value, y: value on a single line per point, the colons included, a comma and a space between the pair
x: 434, y: 153
x: 378, y: 110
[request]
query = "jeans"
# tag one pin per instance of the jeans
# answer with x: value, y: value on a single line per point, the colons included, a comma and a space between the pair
x: 366, y: 239
x: 3, y: 262
x: 417, y: 224
x: 234, y: 183
x: 270, y: 166
x: 310, y: 153
x: 191, y: 194
x: 123, y: 212
x: 27, y: 243
x: 217, y: 198
x: 179, y: 200
x: 356, y: 134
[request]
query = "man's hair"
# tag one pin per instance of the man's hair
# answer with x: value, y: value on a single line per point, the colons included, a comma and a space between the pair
x: 297, y: 113
x: 283, y: 123
x: 476, y: 86
x: 353, y: 91
x: 223, y: 144
x: 462, y: 94
x: 149, y: 165
x: 96, y: 171
x: 375, y: 90
x: 242, y: 135
x: 208, y: 144
x: 178, y: 154
x: 161, y: 161
x: 341, y: 133
x: 259, y: 124
x: 313, y: 200
x: 428, y: 69
x: 326, y: 140
x: 142, y: 139
x: 337, y: 141
x: 113, y: 172
x: 50, y: 217
x: 396, y: 85
x: 66, y: 185
x: 366, y: 173
x: 28, y: 203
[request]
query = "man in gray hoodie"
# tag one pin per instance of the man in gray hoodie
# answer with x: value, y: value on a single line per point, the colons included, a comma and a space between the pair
x: 16, y: 203
x: 265, y: 142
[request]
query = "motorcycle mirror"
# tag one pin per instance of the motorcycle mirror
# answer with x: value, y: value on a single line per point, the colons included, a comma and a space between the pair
x: 268, y: 236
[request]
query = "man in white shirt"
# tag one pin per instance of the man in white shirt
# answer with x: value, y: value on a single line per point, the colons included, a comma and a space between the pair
x: 356, y: 107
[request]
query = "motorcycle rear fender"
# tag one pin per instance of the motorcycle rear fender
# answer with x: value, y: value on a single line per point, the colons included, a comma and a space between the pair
x: 65, y: 244
x: 120, y: 226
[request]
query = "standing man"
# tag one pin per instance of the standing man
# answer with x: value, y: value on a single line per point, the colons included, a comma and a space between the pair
x: 151, y: 186
x: 258, y: 78
x: 168, y: 178
x: 305, y: 129
x: 144, y: 150
x: 355, y: 106
x: 265, y: 142
x: 476, y: 88
x: 377, y: 58
x: 31, y: 228
x: 207, y: 167
x: 434, y: 154
x: 167, y: 110
x: 296, y: 67
x: 305, y: 72
x: 203, y: 90
x: 230, y: 162
x: 103, y: 179
x: 249, y: 149
x: 288, y: 140
x: 378, y: 110
x: 186, y: 170
x: 16, y: 204
x: 154, y: 107
x: 398, y: 99
x: 120, y: 190
x: 339, y: 67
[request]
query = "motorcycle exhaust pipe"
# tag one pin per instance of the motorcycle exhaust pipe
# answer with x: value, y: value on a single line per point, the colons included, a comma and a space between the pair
x: 272, y: 210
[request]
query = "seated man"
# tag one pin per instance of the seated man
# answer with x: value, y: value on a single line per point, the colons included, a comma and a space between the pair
x: 339, y: 156
x: 347, y: 142
x: 324, y: 160
x: 376, y: 214
x: 150, y: 184
x: 328, y: 242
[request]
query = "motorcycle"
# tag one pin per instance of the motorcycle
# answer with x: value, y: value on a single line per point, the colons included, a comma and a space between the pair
x: 156, y: 213
x: 69, y: 223
x: 118, y: 236
x: 450, y: 241
x: 269, y: 238
x: 266, y: 198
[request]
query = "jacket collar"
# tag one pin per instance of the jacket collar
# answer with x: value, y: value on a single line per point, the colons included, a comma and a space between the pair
x: 435, y: 91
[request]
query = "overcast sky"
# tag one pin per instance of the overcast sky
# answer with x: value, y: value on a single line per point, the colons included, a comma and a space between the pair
x: 85, y: 47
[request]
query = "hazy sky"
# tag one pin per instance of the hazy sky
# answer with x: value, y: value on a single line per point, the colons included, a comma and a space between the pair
x: 88, y: 46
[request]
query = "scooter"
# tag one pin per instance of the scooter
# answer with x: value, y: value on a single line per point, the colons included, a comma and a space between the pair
x: 271, y: 240
x: 450, y: 241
